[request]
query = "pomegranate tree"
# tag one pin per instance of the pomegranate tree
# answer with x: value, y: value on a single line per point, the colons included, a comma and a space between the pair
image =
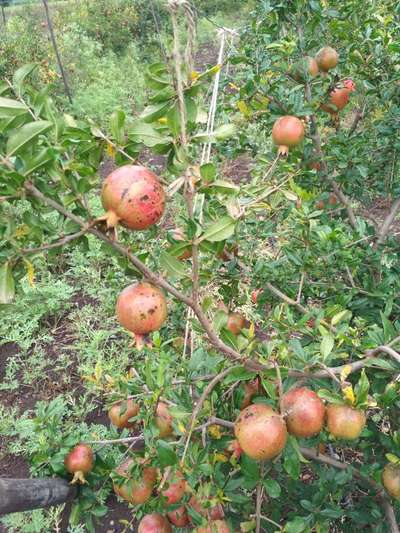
x: 154, y: 523
x: 121, y: 413
x: 327, y: 58
x: 345, y: 422
x: 79, y: 462
x: 287, y: 132
x: 304, y: 412
x: 135, y: 489
x: 132, y: 196
x: 141, y: 308
x: 391, y: 480
x: 261, y: 432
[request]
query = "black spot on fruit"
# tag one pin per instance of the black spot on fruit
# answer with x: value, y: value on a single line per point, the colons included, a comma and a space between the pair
x: 144, y: 198
x: 124, y: 193
x: 152, y: 311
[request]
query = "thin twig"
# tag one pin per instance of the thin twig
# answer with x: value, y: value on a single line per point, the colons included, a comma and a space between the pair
x: 385, y: 227
x: 62, y: 242
x: 303, y: 275
x: 259, y: 499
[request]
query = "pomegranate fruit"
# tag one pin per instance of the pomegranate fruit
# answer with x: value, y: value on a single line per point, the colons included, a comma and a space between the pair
x: 154, y: 523
x: 135, y: 490
x: 287, y: 132
x: 234, y: 449
x: 215, y: 526
x: 79, y: 462
x: 326, y: 59
x: 345, y: 422
x: 306, y: 66
x: 391, y: 480
x: 332, y: 200
x: 133, y: 196
x: 236, y: 322
x: 141, y: 308
x: 179, y: 517
x: 304, y: 412
x: 320, y: 204
x: 339, y: 97
x: 261, y: 432
x: 250, y: 388
x: 163, y: 420
x: 254, y: 295
x: 176, y: 488
x: 211, y: 513
x: 121, y: 412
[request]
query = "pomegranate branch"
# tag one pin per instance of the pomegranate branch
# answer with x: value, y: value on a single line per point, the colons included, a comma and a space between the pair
x: 385, y: 227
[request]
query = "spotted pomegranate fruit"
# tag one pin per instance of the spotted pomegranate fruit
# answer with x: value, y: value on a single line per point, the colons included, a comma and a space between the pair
x: 391, y: 480
x: 179, y: 517
x: 215, y: 526
x: 163, y: 420
x: 261, y: 432
x: 176, y: 488
x: 132, y: 196
x: 327, y: 58
x: 236, y: 322
x: 304, y: 412
x: 135, y: 489
x: 79, y: 462
x: 287, y: 132
x: 141, y: 308
x: 154, y: 523
x: 345, y: 422
x: 121, y: 412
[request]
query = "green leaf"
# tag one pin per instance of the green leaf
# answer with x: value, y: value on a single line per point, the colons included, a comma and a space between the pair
x: 166, y: 454
x: 117, y: 123
x: 224, y: 132
x: 339, y: 317
x: 154, y: 112
x: 172, y: 265
x: 327, y: 345
x: 208, y: 171
x: 219, y: 231
x: 25, y: 135
x: 7, y: 285
x: 361, y: 390
x: 11, y: 108
x: 146, y: 134
x: 250, y: 468
x: 39, y: 159
x: 174, y: 120
x: 392, y: 458
x: 21, y: 74
x: 272, y: 487
x: 298, y: 525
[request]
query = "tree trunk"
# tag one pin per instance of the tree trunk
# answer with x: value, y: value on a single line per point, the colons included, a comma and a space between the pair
x: 27, y: 494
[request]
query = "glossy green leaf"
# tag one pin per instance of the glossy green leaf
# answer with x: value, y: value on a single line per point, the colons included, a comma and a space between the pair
x: 7, y: 285
x: 172, y: 265
x: 26, y: 135
x: 327, y: 345
x: 272, y: 487
x: 21, y: 74
x: 219, y: 231
x: 117, y: 123
x: 11, y: 108
x: 166, y: 454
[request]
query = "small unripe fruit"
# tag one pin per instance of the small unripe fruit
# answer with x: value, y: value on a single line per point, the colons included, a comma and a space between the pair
x: 254, y: 295
x: 121, y: 412
x: 304, y: 411
x: 391, y: 480
x: 345, y: 422
x: 236, y: 322
x: 163, y: 420
x: 332, y: 199
x: 79, y: 462
x: 327, y: 58
x: 154, y: 523
x: 320, y: 204
x: 287, y: 132
x: 261, y: 432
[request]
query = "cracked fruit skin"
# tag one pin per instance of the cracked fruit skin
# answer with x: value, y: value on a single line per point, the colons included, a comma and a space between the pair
x: 121, y: 412
x: 135, y: 490
x: 216, y: 526
x: 304, y: 412
x: 261, y: 432
x: 287, y: 132
x: 133, y: 196
x: 345, y: 422
x: 141, y: 308
x: 391, y: 480
x: 327, y: 58
x: 154, y: 523
x: 79, y: 462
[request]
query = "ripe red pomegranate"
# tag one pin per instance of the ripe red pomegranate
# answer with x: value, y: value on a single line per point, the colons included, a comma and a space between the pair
x: 320, y: 204
x: 215, y: 526
x: 339, y: 97
x: 141, y: 308
x: 179, y: 517
x: 234, y: 449
x: 254, y: 295
x: 176, y: 488
x: 133, y: 196
x: 391, y: 480
x: 304, y: 412
x: 121, y: 412
x: 251, y: 388
x: 327, y: 58
x: 236, y: 322
x: 79, y: 462
x: 163, y: 420
x: 345, y: 422
x: 211, y: 513
x: 332, y: 199
x: 154, y: 523
x: 306, y: 66
x: 135, y: 490
x: 287, y: 132
x: 312, y: 66
x: 261, y: 432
